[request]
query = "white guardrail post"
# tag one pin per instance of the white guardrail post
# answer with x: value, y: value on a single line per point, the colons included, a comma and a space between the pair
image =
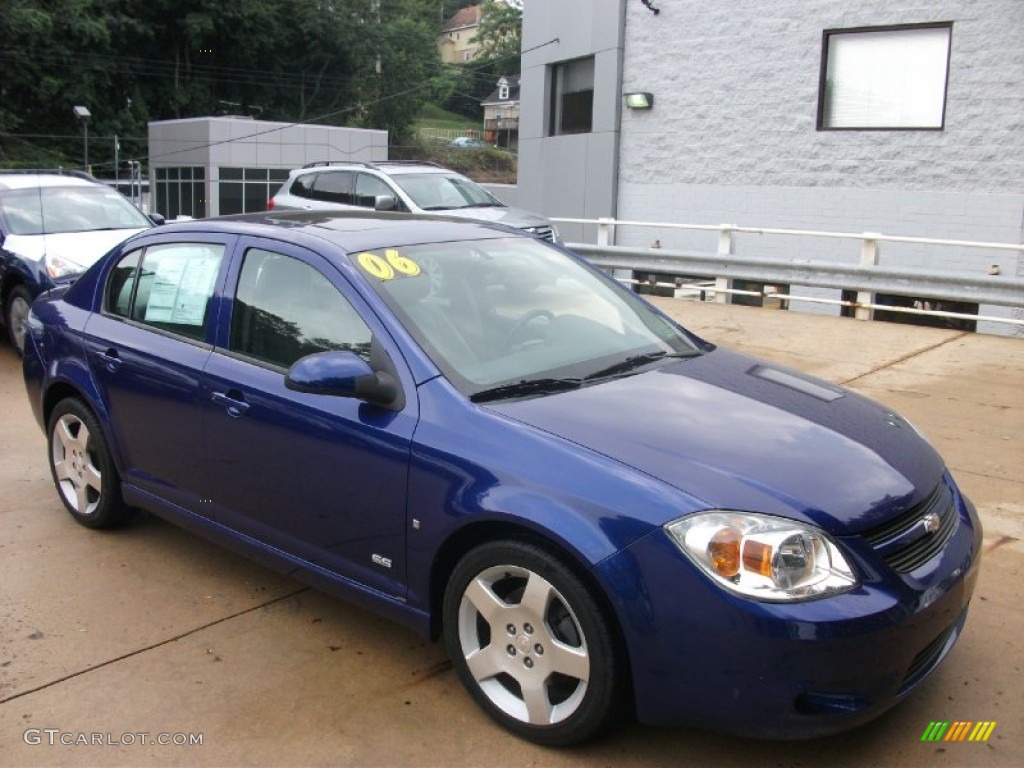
x: 868, y: 258
x: 605, y: 231
x: 726, y: 247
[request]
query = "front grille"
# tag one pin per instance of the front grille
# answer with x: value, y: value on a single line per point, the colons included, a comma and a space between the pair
x: 547, y: 233
x: 904, y: 543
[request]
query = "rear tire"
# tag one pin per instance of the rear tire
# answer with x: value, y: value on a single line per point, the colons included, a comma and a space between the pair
x: 82, y: 467
x: 532, y: 644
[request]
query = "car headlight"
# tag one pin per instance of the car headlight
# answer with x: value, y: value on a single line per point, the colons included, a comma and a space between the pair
x: 768, y: 558
x: 58, y: 266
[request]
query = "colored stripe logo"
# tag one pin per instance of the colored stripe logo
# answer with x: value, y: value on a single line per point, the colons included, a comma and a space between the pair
x: 959, y: 730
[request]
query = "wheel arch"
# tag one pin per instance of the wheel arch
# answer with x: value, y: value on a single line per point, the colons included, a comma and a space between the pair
x: 70, y: 385
x: 461, y: 541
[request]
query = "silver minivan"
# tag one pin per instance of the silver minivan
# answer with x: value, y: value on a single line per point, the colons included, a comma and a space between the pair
x: 395, y: 185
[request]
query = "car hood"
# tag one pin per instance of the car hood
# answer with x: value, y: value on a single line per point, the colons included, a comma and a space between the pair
x: 512, y: 217
x: 82, y: 248
x: 737, y: 433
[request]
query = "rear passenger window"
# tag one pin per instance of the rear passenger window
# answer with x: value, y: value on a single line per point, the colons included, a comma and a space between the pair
x: 121, y: 285
x: 166, y: 286
x: 285, y: 309
x: 301, y: 186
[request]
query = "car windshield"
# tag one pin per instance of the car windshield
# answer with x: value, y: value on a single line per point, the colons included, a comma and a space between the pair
x: 444, y: 192
x: 52, y: 210
x: 514, y: 317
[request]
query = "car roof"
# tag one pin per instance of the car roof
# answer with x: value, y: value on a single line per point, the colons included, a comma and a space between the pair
x: 58, y: 178
x: 351, y: 231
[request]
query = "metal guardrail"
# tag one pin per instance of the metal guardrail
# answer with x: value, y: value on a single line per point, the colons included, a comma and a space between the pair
x: 867, y: 277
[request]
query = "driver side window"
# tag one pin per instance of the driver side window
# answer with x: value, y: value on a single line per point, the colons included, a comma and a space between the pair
x: 285, y: 309
x: 369, y: 187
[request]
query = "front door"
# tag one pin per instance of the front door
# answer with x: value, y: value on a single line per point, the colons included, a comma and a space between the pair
x: 320, y: 477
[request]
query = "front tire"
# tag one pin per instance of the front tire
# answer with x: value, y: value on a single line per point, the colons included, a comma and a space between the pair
x: 82, y: 467
x: 16, y: 317
x: 532, y: 644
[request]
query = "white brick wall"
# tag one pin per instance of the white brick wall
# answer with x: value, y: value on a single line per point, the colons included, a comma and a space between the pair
x: 733, y: 138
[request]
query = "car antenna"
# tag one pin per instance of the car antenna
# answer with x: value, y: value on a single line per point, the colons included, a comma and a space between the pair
x: 42, y: 214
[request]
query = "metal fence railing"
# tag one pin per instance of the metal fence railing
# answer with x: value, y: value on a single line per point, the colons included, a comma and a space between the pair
x: 867, y: 278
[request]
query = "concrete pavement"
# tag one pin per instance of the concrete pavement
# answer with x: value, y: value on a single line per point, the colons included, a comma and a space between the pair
x: 151, y: 630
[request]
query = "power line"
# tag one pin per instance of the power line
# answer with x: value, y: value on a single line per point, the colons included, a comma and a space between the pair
x: 340, y: 112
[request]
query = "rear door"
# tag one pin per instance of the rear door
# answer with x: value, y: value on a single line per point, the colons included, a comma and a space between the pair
x: 147, y: 349
x: 323, y: 478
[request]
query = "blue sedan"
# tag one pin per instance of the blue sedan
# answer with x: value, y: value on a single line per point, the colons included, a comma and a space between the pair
x: 475, y: 433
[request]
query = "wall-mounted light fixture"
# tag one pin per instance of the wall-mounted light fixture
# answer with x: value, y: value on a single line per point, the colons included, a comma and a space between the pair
x: 640, y: 100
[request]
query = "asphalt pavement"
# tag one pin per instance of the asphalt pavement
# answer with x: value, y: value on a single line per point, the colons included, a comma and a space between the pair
x: 127, y: 647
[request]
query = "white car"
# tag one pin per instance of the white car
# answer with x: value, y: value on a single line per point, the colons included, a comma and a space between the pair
x: 54, y: 225
x: 395, y: 185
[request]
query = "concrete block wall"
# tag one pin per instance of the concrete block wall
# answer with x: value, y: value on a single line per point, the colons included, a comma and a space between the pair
x: 733, y: 136
x: 215, y: 142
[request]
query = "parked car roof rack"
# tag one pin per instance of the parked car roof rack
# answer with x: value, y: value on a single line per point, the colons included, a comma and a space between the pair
x: 374, y: 165
x: 413, y: 162
x: 320, y: 163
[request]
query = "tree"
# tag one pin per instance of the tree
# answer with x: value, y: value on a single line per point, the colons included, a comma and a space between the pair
x: 344, y: 62
x: 500, y: 38
x: 501, y: 34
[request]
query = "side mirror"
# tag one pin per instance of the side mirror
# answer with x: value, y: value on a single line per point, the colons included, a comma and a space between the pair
x: 343, y: 374
x: 157, y: 219
x: 384, y: 203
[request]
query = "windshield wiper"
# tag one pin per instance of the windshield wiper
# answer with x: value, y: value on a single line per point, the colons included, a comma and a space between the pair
x: 636, y: 361
x: 485, y: 205
x: 525, y: 388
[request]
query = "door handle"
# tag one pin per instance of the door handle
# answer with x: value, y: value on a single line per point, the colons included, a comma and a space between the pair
x: 111, y: 360
x: 232, y: 400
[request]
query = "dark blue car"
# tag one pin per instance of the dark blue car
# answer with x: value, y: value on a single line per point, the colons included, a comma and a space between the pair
x: 477, y: 434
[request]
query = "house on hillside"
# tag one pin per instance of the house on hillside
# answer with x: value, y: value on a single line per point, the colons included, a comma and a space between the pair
x: 457, y: 41
x: 501, y: 114
x: 905, y: 118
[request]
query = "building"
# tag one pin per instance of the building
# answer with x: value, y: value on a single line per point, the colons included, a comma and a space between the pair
x: 501, y: 113
x: 457, y: 41
x: 213, y: 166
x: 868, y: 115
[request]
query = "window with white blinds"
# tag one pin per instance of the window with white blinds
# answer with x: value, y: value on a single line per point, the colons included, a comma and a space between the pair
x: 885, y: 77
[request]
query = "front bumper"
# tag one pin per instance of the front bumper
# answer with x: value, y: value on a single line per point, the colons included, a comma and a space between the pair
x: 706, y: 658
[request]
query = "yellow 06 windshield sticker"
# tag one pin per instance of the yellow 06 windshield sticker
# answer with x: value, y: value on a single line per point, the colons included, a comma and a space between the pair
x: 403, y: 264
x: 376, y: 266
x: 385, y: 268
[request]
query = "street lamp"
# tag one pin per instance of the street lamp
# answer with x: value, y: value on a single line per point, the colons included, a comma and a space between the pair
x: 83, y: 116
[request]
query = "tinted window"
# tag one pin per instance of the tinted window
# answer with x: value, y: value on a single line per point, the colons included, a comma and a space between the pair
x: 285, y: 309
x: 122, y: 284
x: 333, y: 187
x: 572, y: 97
x: 302, y: 186
x: 171, y: 290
